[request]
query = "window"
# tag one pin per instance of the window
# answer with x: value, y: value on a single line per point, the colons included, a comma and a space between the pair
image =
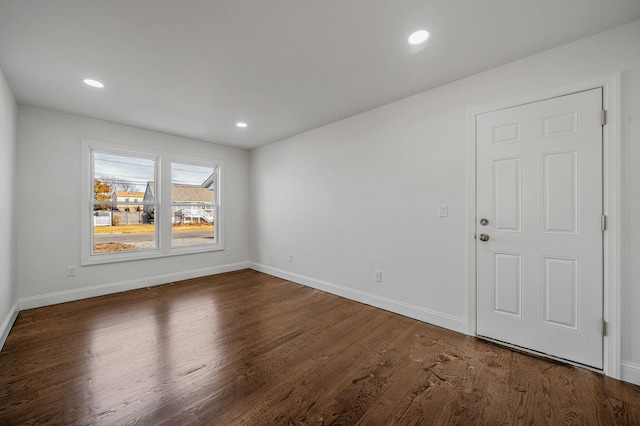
x: 176, y: 209
x: 193, y: 207
x: 111, y: 172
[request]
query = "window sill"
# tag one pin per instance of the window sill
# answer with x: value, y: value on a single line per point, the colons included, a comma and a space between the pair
x: 119, y: 257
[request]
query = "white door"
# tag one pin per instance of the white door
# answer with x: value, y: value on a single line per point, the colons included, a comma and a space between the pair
x: 539, y: 189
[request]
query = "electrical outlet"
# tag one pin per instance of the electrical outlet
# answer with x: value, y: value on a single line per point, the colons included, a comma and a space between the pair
x: 443, y: 211
x: 228, y: 251
x: 377, y: 276
x: 71, y: 271
x: 290, y: 258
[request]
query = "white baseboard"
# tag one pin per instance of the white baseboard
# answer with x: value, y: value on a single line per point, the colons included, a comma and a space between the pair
x: 630, y: 372
x: 8, y: 323
x: 102, y: 289
x: 412, y: 311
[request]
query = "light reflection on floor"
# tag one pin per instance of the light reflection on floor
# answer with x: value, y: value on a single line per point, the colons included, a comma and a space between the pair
x: 122, y: 354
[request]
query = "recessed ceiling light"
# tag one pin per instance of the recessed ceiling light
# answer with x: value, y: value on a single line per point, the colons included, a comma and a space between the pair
x: 418, y: 37
x: 93, y: 83
x: 241, y: 124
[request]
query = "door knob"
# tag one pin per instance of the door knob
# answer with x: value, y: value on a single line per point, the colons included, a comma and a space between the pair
x: 484, y: 237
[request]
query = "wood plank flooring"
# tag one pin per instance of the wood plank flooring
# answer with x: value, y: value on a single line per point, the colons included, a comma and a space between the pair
x: 245, y: 348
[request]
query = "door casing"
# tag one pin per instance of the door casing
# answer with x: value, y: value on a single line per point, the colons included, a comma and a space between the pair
x: 612, y: 175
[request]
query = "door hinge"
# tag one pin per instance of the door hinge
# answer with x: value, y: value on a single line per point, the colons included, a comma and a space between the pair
x: 604, y: 328
x: 603, y: 222
x: 603, y: 117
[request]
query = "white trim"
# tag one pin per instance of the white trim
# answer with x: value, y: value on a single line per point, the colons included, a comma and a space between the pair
x: 470, y: 227
x: 163, y: 161
x: 109, y: 288
x: 412, y: 311
x: 612, y: 173
x: 612, y: 206
x: 630, y: 372
x: 8, y: 323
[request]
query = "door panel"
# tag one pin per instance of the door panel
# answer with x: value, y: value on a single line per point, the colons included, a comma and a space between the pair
x: 560, y: 197
x: 560, y: 286
x: 539, y: 184
x: 507, y: 284
x: 507, y: 194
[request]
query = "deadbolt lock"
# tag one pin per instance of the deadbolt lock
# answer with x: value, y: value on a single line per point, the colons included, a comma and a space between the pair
x: 484, y: 221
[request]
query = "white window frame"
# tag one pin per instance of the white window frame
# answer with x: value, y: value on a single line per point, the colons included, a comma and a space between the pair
x: 217, y: 166
x: 162, y: 222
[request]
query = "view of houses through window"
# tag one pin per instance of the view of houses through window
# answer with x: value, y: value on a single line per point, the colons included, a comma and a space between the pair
x: 192, y: 204
x: 122, y: 217
x: 127, y: 215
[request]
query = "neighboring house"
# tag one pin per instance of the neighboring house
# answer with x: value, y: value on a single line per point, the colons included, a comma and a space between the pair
x: 190, y: 203
x: 128, y: 197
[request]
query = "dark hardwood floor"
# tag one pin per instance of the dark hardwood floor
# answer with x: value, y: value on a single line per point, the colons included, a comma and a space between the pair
x: 245, y: 348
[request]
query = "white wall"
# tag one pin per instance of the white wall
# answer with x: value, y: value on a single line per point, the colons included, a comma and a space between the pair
x: 362, y: 194
x: 8, y: 289
x: 48, y: 206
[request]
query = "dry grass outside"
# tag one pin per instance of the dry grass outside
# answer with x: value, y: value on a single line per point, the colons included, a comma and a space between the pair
x: 124, y: 229
x: 192, y: 225
x: 109, y: 247
x: 149, y: 227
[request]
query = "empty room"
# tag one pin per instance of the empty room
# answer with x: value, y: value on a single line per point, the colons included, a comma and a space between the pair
x: 242, y: 212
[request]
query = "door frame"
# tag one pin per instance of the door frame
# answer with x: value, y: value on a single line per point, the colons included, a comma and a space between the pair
x: 612, y: 177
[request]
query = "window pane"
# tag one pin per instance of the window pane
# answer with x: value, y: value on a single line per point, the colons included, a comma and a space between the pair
x: 124, y: 174
x: 124, y: 203
x: 193, y: 205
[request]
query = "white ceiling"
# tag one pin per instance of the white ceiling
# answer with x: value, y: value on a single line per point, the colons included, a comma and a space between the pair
x: 195, y: 67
